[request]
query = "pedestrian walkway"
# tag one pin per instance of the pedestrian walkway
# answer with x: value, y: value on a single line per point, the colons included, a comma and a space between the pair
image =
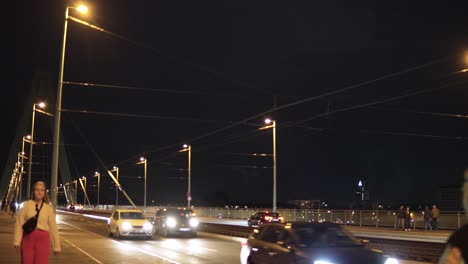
x: 9, y: 255
x: 79, y: 246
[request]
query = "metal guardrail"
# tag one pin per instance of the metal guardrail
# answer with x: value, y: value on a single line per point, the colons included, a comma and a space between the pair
x: 450, y: 220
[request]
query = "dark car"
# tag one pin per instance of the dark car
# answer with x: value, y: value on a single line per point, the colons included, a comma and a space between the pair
x: 315, y: 243
x: 261, y: 218
x: 171, y: 221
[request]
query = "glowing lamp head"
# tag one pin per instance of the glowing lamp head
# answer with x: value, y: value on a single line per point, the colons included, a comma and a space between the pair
x: 115, y: 167
x: 82, y: 9
x: 28, y: 136
x: 96, y: 173
x: 23, y: 153
x: 185, y: 146
x: 268, y: 121
x: 83, y: 177
x: 41, y: 104
x: 142, y: 159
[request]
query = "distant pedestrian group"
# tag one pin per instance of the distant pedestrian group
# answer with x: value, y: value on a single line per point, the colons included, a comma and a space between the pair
x: 405, y: 218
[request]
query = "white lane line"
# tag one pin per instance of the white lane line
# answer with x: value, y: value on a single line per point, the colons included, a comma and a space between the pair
x: 138, y: 249
x: 147, y: 252
x: 82, y: 251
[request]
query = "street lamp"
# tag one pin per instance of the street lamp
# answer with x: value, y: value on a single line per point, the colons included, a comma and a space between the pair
x: 97, y: 174
x: 144, y: 161
x: 40, y: 105
x: 188, y: 148
x: 272, y: 124
x: 116, y: 169
x: 58, y: 109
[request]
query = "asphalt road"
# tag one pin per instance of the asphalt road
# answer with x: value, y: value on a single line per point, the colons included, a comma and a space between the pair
x: 206, y: 248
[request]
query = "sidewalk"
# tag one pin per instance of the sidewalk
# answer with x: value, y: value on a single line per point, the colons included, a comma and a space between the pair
x: 8, y: 253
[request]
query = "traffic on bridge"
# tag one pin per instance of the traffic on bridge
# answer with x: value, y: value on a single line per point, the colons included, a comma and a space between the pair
x: 235, y: 132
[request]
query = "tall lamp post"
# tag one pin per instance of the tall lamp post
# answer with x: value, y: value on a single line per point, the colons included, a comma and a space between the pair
x: 116, y: 169
x: 272, y: 124
x: 58, y: 109
x: 40, y: 105
x: 188, y: 148
x: 144, y: 161
x: 98, y: 175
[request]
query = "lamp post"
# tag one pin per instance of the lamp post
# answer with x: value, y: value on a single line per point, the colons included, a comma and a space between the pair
x: 55, y: 151
x: 116, y: 169
x: 188, y: 148
x: 144, y: 161
x: 272, y: 124
x: 98, y: 175
x: 40, y: 105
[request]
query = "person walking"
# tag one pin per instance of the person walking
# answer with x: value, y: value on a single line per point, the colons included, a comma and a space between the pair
x: 13, y: 207
x: 34, y: 247
x: 456, y: 248
x: 400, y: 218
x: 435, y: 214
x: 427, y: 218
x: 408, y: 218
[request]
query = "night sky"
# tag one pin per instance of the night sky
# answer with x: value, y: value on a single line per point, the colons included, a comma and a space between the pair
x: 182, y: 70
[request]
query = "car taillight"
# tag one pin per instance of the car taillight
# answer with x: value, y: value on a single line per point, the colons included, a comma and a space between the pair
x: 268, y: 218
x: 281, y: 218
x: 243, y: 242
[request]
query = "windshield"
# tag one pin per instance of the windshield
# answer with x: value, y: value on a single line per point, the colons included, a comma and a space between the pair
x: 324, y: 237
x: 131, y: 215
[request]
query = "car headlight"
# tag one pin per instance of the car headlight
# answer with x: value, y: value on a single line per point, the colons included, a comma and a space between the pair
x: 171, y: 222
x: 323, y: 262
x: 147, y: 226
x: 193, y: 222
x: 392, y: 261
x: 126, y: 226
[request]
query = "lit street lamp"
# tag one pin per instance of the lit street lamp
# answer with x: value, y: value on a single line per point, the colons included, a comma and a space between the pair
x: 55, y: 151
x: 116, y: 169
x: 40, y: 105
x: 188, y: 148
x: 144, y: 161
x: 98, y: 175
x: 272, y: 124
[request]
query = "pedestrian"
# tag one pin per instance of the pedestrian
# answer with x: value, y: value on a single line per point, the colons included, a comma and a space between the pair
x: 408, y: 218
x: 34, y: 247
x: 12, y: 207
x: 427, y: 218
x: 435, y: 214
x: 456, y: 249
x: 4, y: 202
x: 400, y: 218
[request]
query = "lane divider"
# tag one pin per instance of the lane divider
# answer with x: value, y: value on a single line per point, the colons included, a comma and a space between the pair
x: 126, y: 245
x: 82, y: 251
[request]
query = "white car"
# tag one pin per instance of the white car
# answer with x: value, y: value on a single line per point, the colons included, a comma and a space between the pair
x: 129, y: 223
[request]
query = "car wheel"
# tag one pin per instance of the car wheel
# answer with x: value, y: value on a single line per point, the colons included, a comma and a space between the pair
x: 117, y: 233
x: 110, y: 232
x: 193, y: 234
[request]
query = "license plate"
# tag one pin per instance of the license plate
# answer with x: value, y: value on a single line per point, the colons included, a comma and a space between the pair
x: 184, y: 229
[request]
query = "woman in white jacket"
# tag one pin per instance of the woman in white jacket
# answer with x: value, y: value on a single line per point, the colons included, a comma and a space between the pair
x: 35, y: 246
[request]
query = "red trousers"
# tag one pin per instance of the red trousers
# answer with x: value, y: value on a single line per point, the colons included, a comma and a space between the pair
x: 35, y: 247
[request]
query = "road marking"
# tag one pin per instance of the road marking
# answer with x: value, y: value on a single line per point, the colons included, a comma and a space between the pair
x: 82, y: 251
x: 127, y: 245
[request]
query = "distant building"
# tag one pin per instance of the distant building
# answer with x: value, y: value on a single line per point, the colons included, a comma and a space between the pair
x: 450, y: 197
x: 306, y: 204
x: 362, y: 197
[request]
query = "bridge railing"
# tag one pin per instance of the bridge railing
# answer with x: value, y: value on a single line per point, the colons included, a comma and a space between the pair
x: 374, y: 218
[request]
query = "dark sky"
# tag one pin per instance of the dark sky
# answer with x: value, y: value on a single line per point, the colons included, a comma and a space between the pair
x: 220, y: 62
